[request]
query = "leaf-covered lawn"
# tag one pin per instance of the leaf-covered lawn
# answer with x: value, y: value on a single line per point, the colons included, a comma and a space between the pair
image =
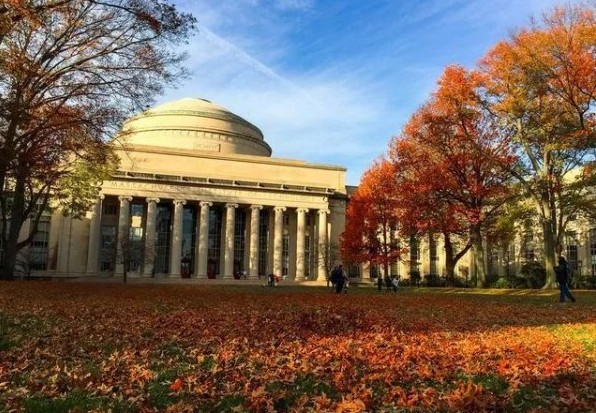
x: 67, y: 347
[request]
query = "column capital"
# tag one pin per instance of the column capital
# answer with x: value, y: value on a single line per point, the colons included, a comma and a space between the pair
x: 301, y: 210
x: 101, y: 197
x: 124, y: 198
x: 205, y: 204
x: 259, y: 207
x: 230, y: 205
x: 323, y: 212
x: 148, y: 200
x: 279, y: 208
x: 179, y: 202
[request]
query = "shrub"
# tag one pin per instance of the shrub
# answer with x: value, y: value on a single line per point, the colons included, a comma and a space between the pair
x: 534, y: 274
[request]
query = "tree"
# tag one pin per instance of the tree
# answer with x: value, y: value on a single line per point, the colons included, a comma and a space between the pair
x: 70, y: 72
x: 442, y: 156
x: 541, y: 89
x: 422, y: 209
x: 371, y: 219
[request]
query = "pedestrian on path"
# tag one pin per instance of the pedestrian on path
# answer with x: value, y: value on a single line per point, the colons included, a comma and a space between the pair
x: 562, y: 273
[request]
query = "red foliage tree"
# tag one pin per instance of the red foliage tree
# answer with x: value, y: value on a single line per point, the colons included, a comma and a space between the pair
x: 446, y: 157
x: 371, y: 219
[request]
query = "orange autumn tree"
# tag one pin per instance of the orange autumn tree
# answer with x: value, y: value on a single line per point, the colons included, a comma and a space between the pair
x: 422, y: 209
x: 541, y: 88
x: 442, y: 157
x: 371, y: 219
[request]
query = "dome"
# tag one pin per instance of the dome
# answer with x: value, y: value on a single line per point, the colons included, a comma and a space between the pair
x: 195, y: 124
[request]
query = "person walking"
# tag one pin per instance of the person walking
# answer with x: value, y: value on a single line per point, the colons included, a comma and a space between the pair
x: 379, y: 283
x: 562, y: 273
x: 337, y: 278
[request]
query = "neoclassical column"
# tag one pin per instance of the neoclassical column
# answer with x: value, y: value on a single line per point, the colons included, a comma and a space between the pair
x: 123, y: 232
x: 176, y: 251
x: 94, y: 231
x: 149, y: 255
x: 322, y: 248
x: 277, y: 239
x: 253, y: 264
x: 300, y: 231
x: 202, y: 240
x: 229, y: 241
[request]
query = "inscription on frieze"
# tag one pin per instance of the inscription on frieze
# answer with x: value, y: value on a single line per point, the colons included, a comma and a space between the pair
x: 206, y: 146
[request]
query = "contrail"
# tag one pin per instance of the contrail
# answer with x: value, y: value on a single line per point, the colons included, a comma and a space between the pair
x: 250, y: 61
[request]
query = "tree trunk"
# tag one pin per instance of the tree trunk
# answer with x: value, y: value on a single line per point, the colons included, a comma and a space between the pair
x: 449, y: 262
x: 11, y: 248
x: 478, y: 254
x: 549, y: 252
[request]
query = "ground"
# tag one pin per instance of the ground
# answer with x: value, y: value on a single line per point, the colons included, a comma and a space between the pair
x: 68, y: 347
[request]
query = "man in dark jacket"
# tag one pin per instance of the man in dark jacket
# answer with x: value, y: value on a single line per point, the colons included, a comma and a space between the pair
x: 562, y: 273
x: 337, y: 278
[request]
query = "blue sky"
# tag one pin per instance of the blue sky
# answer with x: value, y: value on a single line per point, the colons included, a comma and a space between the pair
x: 331, y: 81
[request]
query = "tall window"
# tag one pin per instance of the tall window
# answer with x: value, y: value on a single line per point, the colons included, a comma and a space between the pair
x: 434, y: 256
x: 38, y: 250
x: 239, y: 241
x: 414, y: 255
x: 189, y: 233
x: 593, y: 251
x: 263, y: 241
x: 572, y: 250
x: 528, y: 247
x: 353, y: 271
x: 134, y: 254
x: 163, y: 224
x: 373, y: 271
x: 107, y: 253
x: 285, y: 254
x: 307, y: 256
x: 214, y: 243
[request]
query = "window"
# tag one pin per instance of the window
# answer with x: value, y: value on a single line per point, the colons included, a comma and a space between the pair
x: 373, y: 271
x: 263, y: 241
x: 414, y: 256
x: 593, y: 251
x: 107, y: 253
x: 110, y: 209
x: 214, y: 242
x: 163, y: 224
x: 307, y: 256
x: 189, y: 228
x: 307, y: 220
x: 528, y: 247
x: 434, y: 256
x: 285, y: 254
x: 38, y: 250
x: 239, y: 241
x: 353, y: 271
x: 134, y: 256
x: 286, y: 219
x: 572, y: 250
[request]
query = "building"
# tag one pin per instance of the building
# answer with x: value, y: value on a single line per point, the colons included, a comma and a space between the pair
x: 198, y: 194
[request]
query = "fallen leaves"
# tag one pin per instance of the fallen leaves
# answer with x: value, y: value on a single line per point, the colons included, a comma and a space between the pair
x: 215, y: 349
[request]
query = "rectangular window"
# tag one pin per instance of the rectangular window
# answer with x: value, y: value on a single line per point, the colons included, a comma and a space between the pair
x: 572, y: 251
x: 434, y: 256
x: 528, y: 247
x: 38, y: 250
x: 373, y: 271
x: 285, y: 254
x: 353, y: 271
x: 107, y: 253
x: 163, y: 224
x: 286, y: 219
x: 239, y: 241
x: 110, y: 209
x: 593, y: 251
x: 414, y: 256
x: 263, y: 241
x: 214, y: 242
x: 189, y: 233
x: 307, y: 256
